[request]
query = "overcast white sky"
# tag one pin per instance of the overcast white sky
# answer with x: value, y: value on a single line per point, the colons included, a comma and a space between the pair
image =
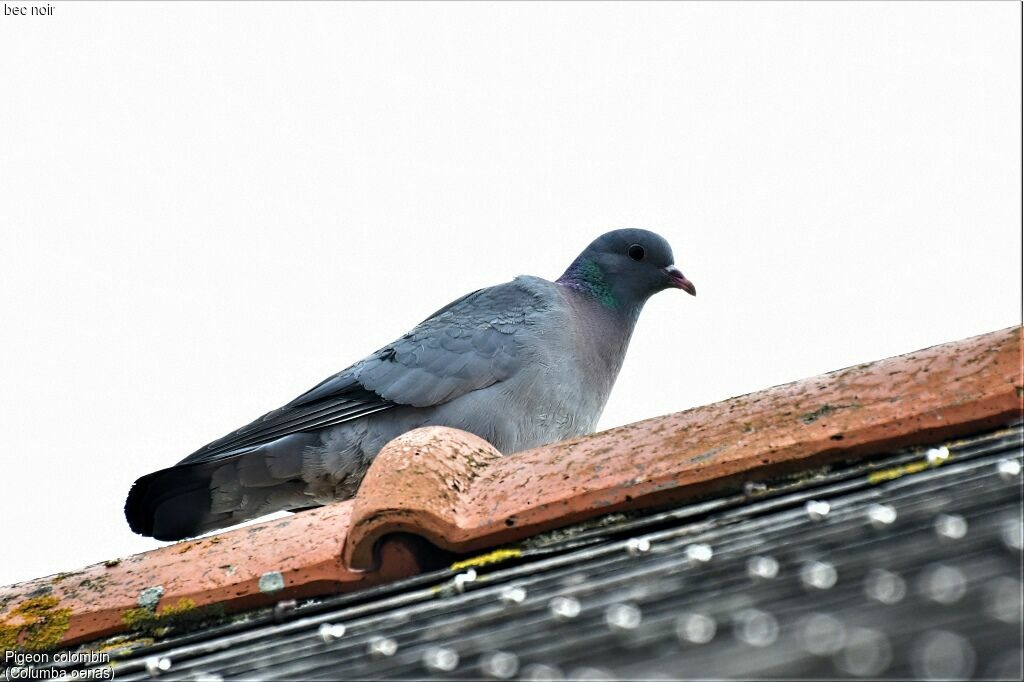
x: 205, y: 209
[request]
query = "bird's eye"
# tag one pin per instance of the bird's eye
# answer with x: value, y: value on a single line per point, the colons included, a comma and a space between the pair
x: 636, y: 252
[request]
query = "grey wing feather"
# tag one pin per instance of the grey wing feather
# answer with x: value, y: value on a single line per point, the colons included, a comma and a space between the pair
x: 337, y: 400
x: 467, y: 345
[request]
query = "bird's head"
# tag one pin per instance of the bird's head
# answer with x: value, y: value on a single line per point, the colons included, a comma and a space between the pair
x: 623, y: 268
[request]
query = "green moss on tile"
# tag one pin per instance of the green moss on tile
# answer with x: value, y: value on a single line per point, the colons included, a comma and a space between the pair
x: 34, y: 625
x: 180, y: 617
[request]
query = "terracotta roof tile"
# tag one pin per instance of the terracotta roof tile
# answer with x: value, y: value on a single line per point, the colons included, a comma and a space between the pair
x: 879, y: 568
x: 295, y: 556
x: 456, y: 491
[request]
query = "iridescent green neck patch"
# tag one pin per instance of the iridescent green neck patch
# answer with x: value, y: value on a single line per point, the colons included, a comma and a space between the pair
x: 586, y: 275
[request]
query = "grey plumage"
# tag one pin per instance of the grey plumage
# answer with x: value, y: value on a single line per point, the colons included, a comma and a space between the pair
x: 520, y: 364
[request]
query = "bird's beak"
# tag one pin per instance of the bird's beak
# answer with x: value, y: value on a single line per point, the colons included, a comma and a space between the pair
x: 678, y: 280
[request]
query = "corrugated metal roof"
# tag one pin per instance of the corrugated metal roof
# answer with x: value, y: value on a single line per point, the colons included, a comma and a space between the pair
x: 905, y: 566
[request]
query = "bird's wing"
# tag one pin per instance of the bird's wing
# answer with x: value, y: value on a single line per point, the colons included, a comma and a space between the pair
x: 465, y: 346
x: 349, y: 400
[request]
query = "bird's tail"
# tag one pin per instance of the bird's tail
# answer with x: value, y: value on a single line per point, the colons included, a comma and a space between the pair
x: 174, y: 503
x: 195, y: 497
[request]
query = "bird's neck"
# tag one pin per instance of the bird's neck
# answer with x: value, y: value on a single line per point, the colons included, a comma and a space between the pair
x: 585, y: 277
x: 601, y: 331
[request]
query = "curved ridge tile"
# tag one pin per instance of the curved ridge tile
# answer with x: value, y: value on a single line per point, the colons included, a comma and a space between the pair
x: 419, y: 483
x: 929, y: 395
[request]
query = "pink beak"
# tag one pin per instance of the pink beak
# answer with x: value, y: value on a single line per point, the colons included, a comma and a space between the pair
x: 679, y: 281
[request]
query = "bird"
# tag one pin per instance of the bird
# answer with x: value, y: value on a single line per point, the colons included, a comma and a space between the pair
x: 521, y: 364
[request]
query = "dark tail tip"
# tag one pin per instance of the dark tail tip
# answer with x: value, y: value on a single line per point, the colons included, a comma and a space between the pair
x: 170, y: 504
